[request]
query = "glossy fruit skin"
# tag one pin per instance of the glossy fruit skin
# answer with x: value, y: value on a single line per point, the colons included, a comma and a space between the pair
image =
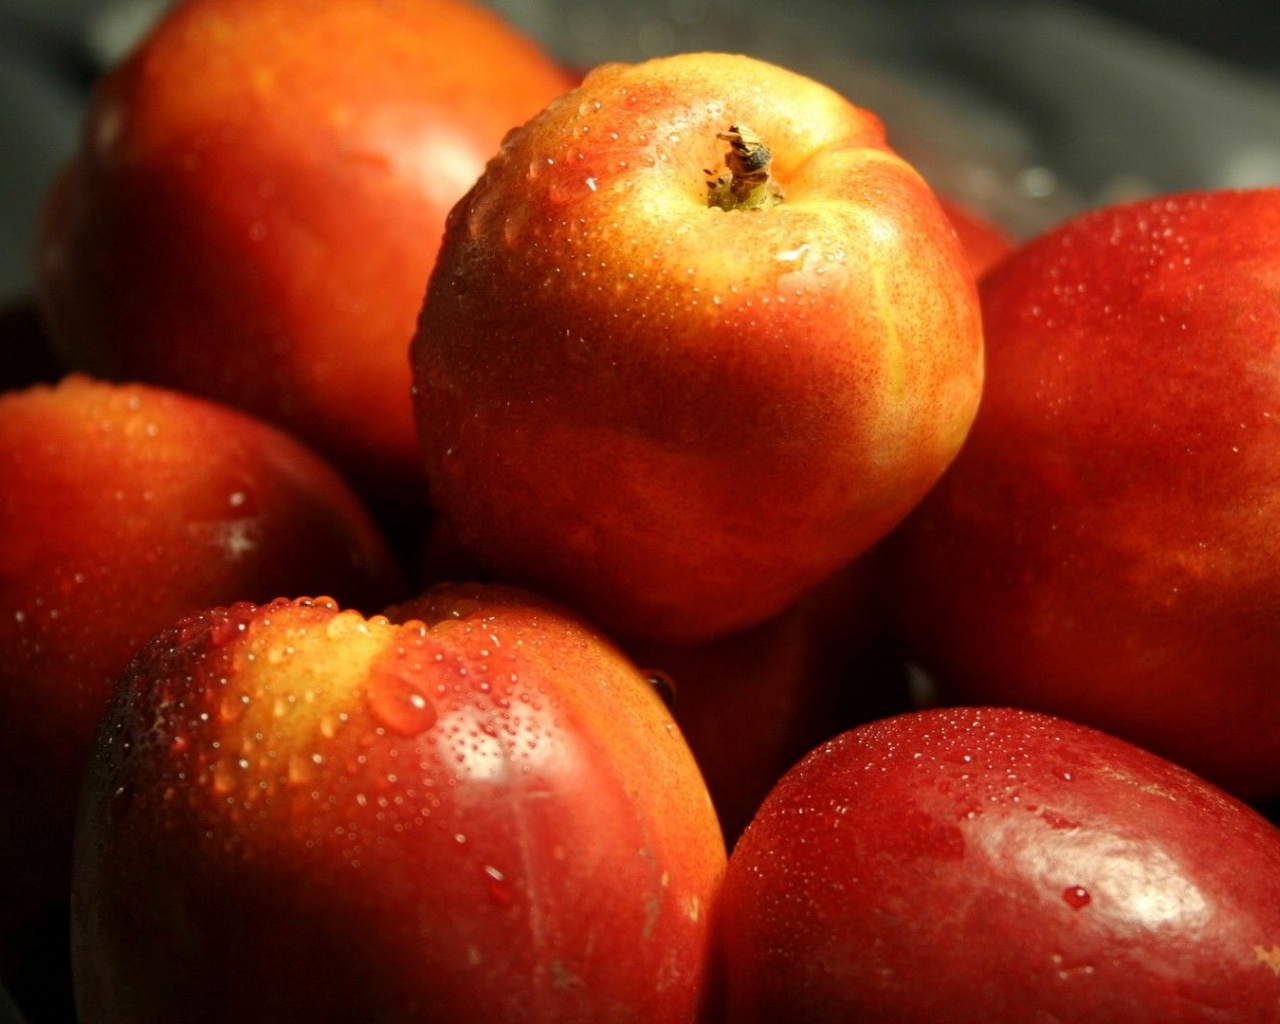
x: 679, y: 418
x: 480, y: 812
x: 123, y: 508
x: 1104, y: 547
x: 994, y: 865
x: 751, y: 704
x: 257, y: 201
x: 984, y: 241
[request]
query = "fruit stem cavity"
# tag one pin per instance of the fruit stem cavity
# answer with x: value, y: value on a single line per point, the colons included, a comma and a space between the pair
x: 748, y: 184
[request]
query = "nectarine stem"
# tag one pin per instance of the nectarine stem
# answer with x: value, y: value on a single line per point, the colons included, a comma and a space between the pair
x: 748, y: 185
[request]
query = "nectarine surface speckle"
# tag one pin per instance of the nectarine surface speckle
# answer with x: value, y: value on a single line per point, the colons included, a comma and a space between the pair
x: 1104, y: 546
x: 257, y: 201
x: 993, y: 865
x: 472, y: 807
x: 125, y: 507
x: 677, y: 417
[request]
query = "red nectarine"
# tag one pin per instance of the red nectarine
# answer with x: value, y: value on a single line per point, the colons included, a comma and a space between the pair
x: 478, y: 812
x: 258, y: 198
x: 1104, y: 547
x: 989, y: 866
x: 122, y: 508
x: 676, y: 382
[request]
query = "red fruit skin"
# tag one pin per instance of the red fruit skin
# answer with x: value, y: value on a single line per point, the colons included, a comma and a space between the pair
x: 123, y: 508
x: 1104, y: 547
x: 993, y: 866
x: 481, y: 813
x: 753, y: 703
x: 257, y: 201
x: 679, y: 418
x: 985, y: 242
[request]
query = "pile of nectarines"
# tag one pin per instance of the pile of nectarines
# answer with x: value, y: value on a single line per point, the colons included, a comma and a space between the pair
x: 481, y: 543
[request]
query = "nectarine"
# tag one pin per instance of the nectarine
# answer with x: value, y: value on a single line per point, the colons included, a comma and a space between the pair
x: 695, y: 340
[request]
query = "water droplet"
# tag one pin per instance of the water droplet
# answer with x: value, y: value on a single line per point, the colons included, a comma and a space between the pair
x: 498, y: 887
x: 396, y: 702
x: 121, y: 801
x: 463, y: 608
x: 302, y: 769
x: 232, y: 707
x: 224, y: 631
x: 1076, y: 896
x: 224, y: 780
x: 563, y: 191
x: 663, y: 685
x: 345, y: 625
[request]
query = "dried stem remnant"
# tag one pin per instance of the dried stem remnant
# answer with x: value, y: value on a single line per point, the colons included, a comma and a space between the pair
x: 748, y: 184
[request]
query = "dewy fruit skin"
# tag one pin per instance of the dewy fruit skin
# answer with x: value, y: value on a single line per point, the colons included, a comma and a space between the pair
x: 674, y: 416
x: 477, y: 810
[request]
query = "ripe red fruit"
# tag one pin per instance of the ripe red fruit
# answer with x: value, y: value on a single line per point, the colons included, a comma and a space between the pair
x: 258, y: 198
x: 1104, y: 548
x: 478, y: 812
x: 753, y: 703
x: 122, y: 508
x: 674, y: 408
x: 990, y: 866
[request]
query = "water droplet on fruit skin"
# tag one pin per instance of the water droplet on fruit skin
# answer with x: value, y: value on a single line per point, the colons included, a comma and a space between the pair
x: 397, y: 703
x: 302, y: 770
x: 121, y: 801
x: 232, y: 707
x: 1076, y: 896
x: 224, y: 631
x: 498, y: 887
x: 224, y: 779
x: 564, y: 191
x: 465, y: 607
x: 663, y: 685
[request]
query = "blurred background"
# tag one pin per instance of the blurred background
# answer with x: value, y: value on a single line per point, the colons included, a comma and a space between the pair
x: 1028, y: 111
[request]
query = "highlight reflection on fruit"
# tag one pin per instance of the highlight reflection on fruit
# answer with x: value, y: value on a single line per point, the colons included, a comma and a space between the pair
x: 991, y: 866
x: 654, y: 389
x: 122, y: 508
x: 258, y: 198
x: 479, y: 811
x: 1105, y: 547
